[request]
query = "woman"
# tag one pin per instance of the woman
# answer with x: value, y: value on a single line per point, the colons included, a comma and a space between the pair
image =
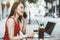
x: 13, y: 23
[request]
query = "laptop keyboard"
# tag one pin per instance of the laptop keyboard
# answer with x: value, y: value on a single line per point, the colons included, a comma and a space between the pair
x: 46, y: 35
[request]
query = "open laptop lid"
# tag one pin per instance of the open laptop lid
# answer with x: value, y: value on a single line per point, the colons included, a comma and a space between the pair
x: 49, y: 27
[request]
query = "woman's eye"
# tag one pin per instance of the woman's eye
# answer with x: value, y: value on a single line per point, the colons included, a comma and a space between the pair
x: 22, y: 7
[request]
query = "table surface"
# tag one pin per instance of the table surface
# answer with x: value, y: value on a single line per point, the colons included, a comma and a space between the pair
x: 30, y: 28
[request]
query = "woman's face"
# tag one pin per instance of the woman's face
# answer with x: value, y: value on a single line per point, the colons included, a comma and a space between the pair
x: 20, y: 9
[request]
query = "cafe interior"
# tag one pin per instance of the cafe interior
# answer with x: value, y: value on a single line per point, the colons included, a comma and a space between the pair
x: 43, y: 18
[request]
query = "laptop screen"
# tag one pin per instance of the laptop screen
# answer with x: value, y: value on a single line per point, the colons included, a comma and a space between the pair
x: 49, y: 27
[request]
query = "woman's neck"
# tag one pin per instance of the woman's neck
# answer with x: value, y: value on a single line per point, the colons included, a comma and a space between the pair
x: 16, y: 17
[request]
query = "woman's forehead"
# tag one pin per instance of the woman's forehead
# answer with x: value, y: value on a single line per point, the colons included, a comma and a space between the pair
x: 21, y: 4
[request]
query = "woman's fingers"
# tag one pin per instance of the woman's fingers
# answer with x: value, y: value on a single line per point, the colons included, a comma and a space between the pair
x: 31, y: 35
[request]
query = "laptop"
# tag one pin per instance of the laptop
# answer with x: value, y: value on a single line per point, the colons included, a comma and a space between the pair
x: 48, y: 29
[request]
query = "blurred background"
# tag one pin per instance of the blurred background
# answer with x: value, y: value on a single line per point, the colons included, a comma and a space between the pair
x: 33, y: 8
x: 41, y: 10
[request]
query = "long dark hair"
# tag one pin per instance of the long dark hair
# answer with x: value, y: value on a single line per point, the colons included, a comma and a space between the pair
x: 13, y: 10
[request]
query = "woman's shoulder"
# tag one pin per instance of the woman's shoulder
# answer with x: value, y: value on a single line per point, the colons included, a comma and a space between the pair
x: 10, y: 20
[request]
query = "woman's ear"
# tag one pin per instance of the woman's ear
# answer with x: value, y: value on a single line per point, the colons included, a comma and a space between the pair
x: 15, y: 10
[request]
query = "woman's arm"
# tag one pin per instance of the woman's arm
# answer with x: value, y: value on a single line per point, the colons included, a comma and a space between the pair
x: 24, y: 26
x: 10, y: 26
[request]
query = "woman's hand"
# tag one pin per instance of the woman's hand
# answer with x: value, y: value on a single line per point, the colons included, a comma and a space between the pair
x: 31, y: 35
